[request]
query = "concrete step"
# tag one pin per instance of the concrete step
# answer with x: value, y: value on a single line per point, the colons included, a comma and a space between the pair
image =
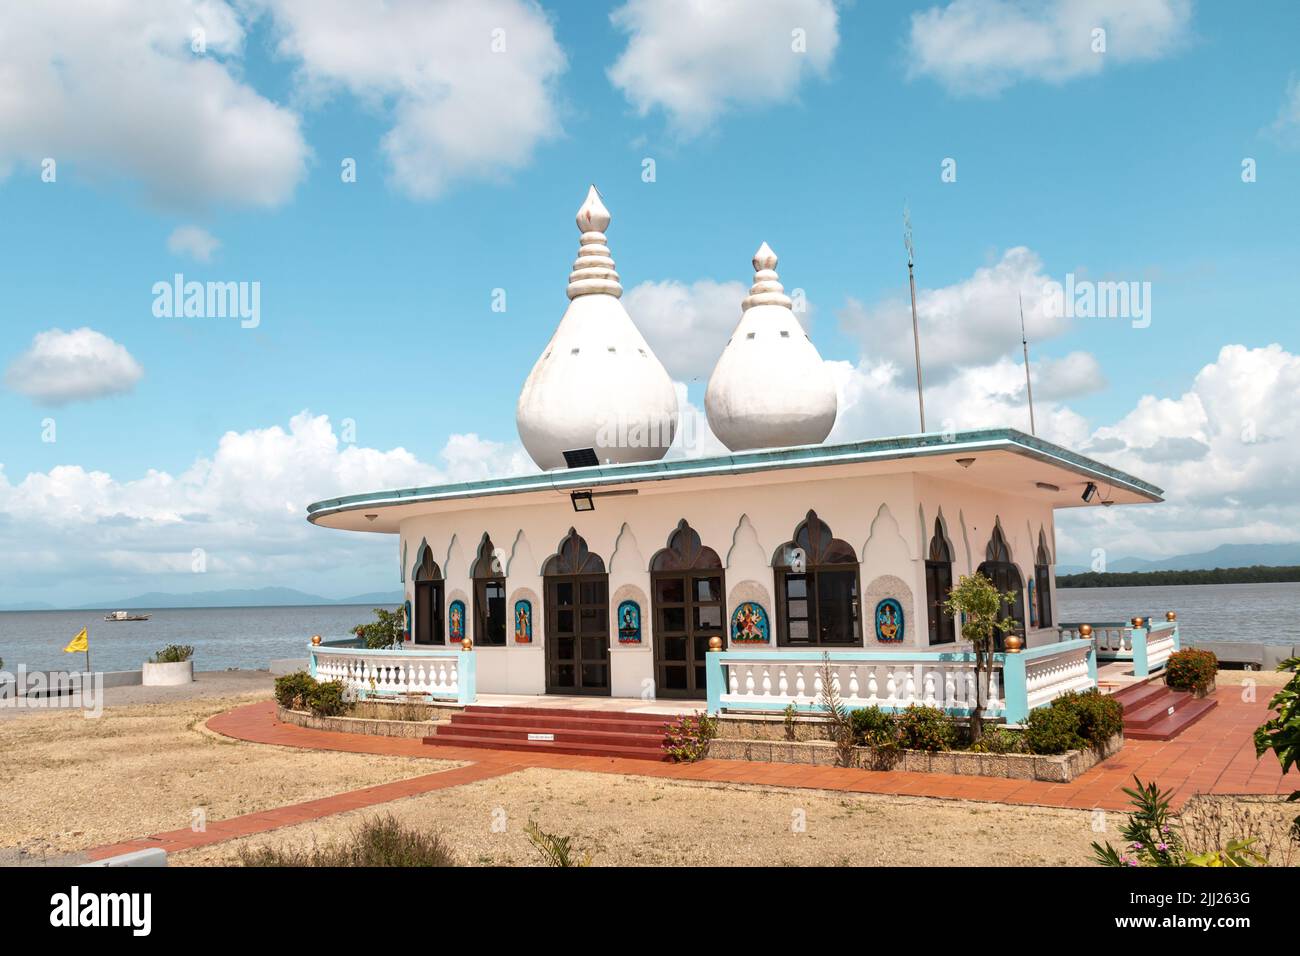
x: 568, y: 712
x: 547, y: 746
x: 1135, y: 695
x: 589, y: 735
x: 612, y: 723
x: 1166, y: 727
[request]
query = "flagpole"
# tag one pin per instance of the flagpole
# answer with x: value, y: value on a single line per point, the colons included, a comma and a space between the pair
x: 1024, y: 342
x: 87, y: 648
x: 916, y: 332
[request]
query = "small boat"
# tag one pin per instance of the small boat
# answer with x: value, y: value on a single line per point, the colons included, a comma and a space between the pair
x: 124, y: 616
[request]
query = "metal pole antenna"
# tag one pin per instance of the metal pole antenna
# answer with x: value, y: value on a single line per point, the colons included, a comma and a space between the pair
x: 916, y: 332
x: 1024, y: 344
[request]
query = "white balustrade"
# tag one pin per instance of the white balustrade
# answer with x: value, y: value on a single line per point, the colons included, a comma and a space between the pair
x: 773, y: 681
x: 367, y: 673
x: 1047, y: 678
x: 1111, y: 640
x: 1160, y: 644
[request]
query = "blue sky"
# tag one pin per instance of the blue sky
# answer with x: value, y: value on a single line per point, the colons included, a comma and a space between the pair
x: 376, y: 295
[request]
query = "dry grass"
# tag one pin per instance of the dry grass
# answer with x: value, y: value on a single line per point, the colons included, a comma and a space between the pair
x: 72, y: 783
x: 1209, y: 822
x: 647, y: 821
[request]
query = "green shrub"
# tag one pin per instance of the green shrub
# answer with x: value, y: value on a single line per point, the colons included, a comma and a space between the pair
x: 687, y: 738
x: 999, y: 741
x: 173, y: 654
x: 873, y: 727
x: 326, y: 699
x: 925, y: 728
x: 1191, y: 669
x: 1099, y: 717
x: 292, y: 690
x: 386, y: 630
x: 1053, y: 730
x: 378, y: 842
x: 555, y: 850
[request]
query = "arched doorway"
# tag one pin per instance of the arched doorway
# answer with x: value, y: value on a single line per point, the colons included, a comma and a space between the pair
x: 428, y: 598
x: 1002, y: 571
x: 1043, y: 582
x: 817, y: 589
x: 489, y: 597
x: 689, y: 599
x: 938, y: 582
x: 577, y: 620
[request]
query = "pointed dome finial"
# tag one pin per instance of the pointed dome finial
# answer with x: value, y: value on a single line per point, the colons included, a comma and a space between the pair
x: 593, y: 216
x: 593, y: 270
x: 767, y: 288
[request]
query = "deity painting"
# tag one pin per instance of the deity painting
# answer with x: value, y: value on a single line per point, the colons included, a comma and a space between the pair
x: 456, y: 619
x: 1033, y: 603
x: 889, y: 622
x: 629, y: 623
x: 523, y: 622
x: 406, y: 621
x: 749, y: 624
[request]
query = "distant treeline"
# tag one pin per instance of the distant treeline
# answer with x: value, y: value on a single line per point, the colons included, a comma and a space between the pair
x: 1117, y: 579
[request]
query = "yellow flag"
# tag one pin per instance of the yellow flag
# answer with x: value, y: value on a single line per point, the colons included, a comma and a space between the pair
x: 79, y: 644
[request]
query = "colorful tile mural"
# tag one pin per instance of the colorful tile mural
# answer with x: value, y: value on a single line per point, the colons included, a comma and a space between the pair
x: 523, y: 622
x: 456, y: 619
x: 1033, y: 603
x: 749, y: 624
x: 629, y: 623
x: 889, y: 621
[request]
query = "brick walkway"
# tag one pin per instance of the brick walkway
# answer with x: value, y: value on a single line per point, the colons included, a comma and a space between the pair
x: 1215, y: 755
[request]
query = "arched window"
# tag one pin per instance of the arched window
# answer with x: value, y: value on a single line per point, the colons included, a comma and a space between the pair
x: 577, y: 619
x: 1002, y: 571
x: 489, y: 597
x: 938, y: 582
x: 689, y: 600
x: 428, y: 598
x: 817, y: 588
x: 1043, y: 581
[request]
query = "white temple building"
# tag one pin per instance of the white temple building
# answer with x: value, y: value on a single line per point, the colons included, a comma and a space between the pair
x: 725, y: 579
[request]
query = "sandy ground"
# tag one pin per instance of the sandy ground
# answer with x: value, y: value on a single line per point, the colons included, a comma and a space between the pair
x: 642, y: 821
x: 73, y: 783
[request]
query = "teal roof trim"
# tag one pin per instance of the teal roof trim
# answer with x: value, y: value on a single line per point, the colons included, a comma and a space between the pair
x: 770, y: 459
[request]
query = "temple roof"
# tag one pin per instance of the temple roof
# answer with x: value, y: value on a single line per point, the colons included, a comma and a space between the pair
x: 1007, y: 461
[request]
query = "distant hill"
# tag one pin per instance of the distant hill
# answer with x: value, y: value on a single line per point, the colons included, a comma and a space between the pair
x: 1224, y: 556
x: 1255, y: 574
x: 241, y: 597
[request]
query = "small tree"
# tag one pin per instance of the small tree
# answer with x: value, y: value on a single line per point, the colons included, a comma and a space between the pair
x: 1281, y: 734
x: 981, y: 603
x: 386, y: 630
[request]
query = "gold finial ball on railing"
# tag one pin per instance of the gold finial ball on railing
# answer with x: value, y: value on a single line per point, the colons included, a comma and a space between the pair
x: 1013, y: 644
x: 1136, y: 622
x: 715, y: 643
x: 1085, y: 630
x: 315, y: 640
x: 1171, y: 615
x: 467, y: 645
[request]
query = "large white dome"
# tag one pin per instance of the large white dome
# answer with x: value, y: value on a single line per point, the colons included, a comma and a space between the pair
x: 597, y: 384
x: 770, y: 387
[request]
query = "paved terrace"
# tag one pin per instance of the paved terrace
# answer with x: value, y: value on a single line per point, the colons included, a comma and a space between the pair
x: 1215, y: 755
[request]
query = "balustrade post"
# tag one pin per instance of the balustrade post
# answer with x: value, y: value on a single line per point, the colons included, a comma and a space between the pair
x: 714, y: 676
x: 1015, y: 687
x: 1140, y: 666
x: 311, y: 663
x: 466, y: 684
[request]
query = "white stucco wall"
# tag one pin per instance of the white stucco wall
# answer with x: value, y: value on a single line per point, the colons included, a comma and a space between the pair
x: 887, y: 519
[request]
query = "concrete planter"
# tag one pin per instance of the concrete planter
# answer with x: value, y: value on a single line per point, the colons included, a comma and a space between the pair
x: 1058, y: 768
x: 414, y: 729
x: 167, y: 675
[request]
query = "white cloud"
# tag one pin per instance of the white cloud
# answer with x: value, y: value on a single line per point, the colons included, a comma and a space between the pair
x: 114, y: 88
x: 245, y: 506
x: 1225, y: 453
x: 1078, y: 373
x: 968, y: 323
x: 1286, y: 128
x: 686, y: 325
x: 80, y: 365
x: 459, y: 109
x: 193, y: 241
x: 695, y: 59
x: 984, y: 46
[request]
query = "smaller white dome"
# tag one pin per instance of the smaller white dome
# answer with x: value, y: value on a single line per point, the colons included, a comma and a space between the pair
x: 770, y: 388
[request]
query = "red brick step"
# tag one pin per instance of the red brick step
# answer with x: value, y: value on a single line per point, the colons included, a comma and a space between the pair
x: 581, y: 732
